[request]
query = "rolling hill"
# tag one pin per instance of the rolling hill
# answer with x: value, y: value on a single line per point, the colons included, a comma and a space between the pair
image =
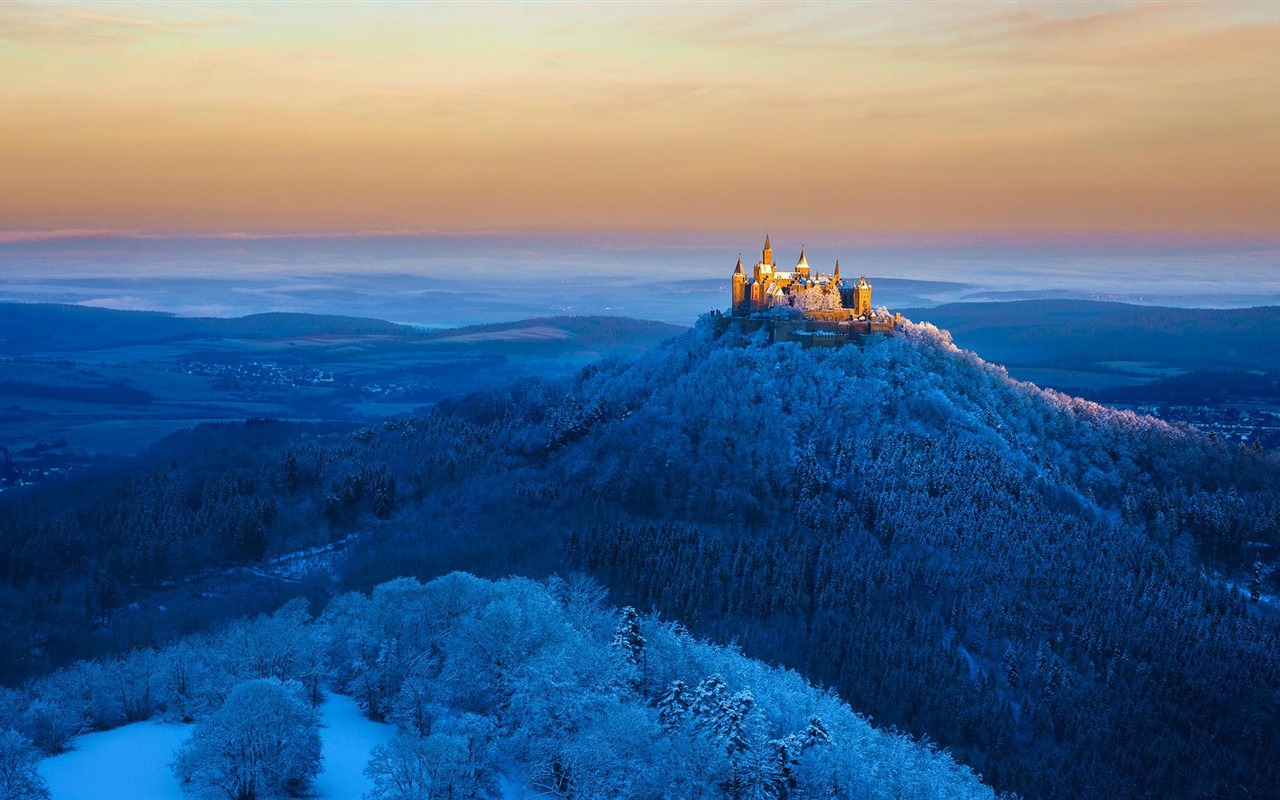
x: 1075, y: 334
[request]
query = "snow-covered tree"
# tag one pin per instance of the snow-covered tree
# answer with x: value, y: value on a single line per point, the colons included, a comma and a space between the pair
x: 737, y: 723
x: 673, y: 708
x: 629, y: 641
x: 816, y: 298
x: 815, y: 734
x: 441, y: 766
x: 616, y: 753
x: 280, y: 646
x: 186, y: 675
x: 19, y: 779
x: 709, y: 703
x: 52, y: 719
x: 262, y: 743
x: 416, y: 707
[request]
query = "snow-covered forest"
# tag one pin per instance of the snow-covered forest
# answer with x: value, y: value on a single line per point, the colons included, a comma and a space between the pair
x: 524, y: 688
x: 1073, y: 601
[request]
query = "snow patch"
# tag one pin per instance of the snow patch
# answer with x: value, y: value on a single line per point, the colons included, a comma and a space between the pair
x: 132, y: 762
x: 122, y: 764
x: 347, y: 738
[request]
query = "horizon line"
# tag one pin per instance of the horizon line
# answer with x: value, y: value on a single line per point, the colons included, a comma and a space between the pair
x: 41, y: 236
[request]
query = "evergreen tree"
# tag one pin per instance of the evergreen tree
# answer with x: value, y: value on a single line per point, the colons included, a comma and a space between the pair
x: 673, y: 708
x: 629, y: 641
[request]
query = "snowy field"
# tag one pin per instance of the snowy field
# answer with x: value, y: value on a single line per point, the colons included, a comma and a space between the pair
x: 132, y: 762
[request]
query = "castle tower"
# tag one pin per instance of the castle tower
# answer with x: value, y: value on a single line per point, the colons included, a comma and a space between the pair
x: 862, y: 298
x: 802, y: 266
x: 837, y: 272
x: 740, y: 305
x: 766, y: 257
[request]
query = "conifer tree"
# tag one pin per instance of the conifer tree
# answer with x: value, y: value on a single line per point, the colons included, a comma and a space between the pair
x: 628, y: 640
x: 673, y: 708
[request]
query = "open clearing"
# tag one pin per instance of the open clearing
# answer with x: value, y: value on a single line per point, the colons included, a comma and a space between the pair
x: 132, y: 762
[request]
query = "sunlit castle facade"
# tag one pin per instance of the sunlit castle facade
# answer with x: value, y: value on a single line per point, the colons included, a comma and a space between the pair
x: 820, y: 296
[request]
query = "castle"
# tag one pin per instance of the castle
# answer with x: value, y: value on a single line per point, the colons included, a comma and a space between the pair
x: 831, y: 310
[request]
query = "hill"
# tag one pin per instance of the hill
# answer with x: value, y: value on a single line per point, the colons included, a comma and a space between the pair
x: 37, y: 327
x: 27, y: 328
x: 1062, y: 594
x: 1071, y: 334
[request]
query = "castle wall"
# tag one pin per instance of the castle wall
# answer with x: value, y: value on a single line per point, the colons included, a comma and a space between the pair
x: 812, y: 333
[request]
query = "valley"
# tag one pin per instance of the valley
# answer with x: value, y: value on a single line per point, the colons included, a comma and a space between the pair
x: 71, y: 402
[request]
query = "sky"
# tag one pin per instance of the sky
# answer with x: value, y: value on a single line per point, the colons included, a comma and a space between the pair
x: 243, y: 119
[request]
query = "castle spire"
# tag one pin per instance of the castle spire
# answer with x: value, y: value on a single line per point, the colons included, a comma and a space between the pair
x: 803, y: 262
x: 766, y: 258
x: 739, y: 270
x: 837, y: 275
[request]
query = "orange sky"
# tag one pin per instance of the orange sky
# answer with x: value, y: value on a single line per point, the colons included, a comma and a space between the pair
x: 893, y: 117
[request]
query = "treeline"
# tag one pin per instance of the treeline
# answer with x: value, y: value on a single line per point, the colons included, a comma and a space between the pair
x: 220, y: 495
x: 1035, y: 582
x: 539, y: 686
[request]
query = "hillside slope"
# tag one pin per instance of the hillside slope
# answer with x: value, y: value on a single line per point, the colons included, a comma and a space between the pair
x: 1012, y: 572
x: 1031, y: 580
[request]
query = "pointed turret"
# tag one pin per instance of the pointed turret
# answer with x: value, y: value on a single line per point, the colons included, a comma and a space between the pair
x: 837, y: 274
x: 766, y: 257
x: 803, y: 264
x: 740, y: 304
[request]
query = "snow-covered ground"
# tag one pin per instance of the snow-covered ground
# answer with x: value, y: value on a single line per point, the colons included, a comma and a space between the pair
x: 122, y: 764
x: 132, y: 763
x: 347, y: 738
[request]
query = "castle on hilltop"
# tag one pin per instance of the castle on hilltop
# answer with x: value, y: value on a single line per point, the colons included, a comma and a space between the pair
x: 830, y: 307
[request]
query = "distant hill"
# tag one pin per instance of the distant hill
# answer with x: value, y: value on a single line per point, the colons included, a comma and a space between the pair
x: 1072, y: 333
x: 40, y: 327
x: 37, y: 327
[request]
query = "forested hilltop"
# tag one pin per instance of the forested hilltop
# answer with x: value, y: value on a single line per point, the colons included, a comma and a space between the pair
x: 1064, y: 596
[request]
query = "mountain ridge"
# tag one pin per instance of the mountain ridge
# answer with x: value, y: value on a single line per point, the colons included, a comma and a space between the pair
x: 31, y: 326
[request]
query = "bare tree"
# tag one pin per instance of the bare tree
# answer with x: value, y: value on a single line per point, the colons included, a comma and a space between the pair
x: 19, y: 779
